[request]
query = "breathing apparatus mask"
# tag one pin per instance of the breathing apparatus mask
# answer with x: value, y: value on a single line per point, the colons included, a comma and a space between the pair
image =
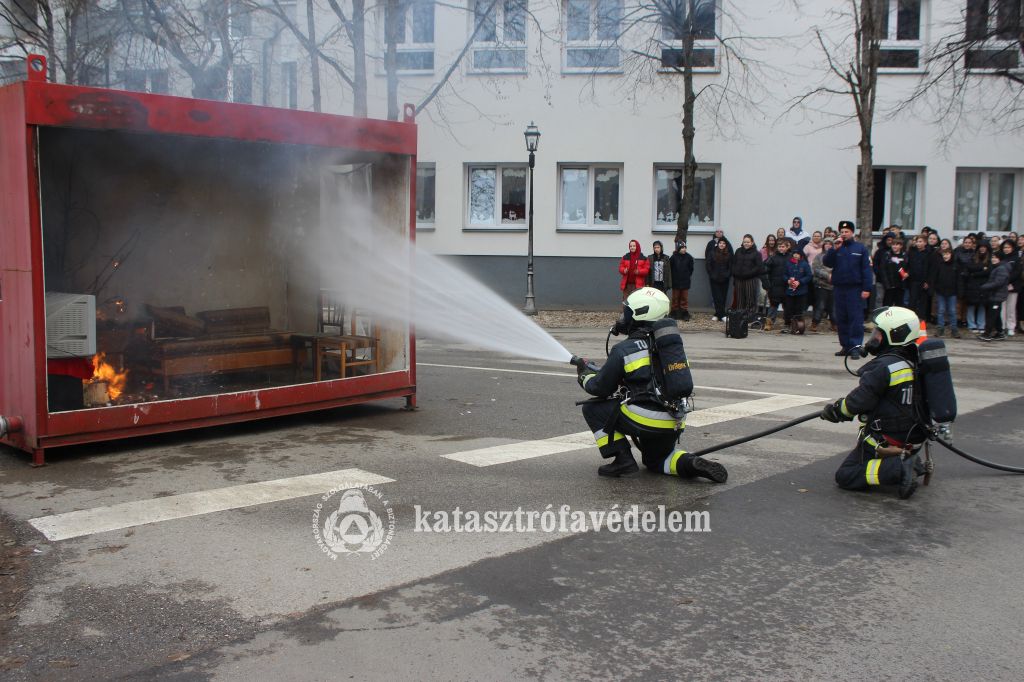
x: 894, y: 327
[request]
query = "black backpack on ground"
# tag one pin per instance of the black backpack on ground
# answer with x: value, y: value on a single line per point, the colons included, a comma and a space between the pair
x: 736, y: 324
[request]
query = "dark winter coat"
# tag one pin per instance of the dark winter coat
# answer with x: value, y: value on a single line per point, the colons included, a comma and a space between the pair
x: 996, y: 288
x: 963, y: 258
x: 883, y: 250
x: 919, y: 264
x: 682, y: 270
x: 1016, y: 270
x: 719, y: 268
x: 801, y: 272
x: 889, y: 271
x: 747, y: 264
x: 712, y: 243
x: 976, y: 275
x: 944, y: 277
x: 776, y: 275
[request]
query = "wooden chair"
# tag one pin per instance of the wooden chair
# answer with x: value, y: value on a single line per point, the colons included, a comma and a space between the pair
x: 351, y: 349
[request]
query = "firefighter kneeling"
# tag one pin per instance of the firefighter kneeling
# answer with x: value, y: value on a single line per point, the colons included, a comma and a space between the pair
x: 895, y: 420
x: 641, y: 391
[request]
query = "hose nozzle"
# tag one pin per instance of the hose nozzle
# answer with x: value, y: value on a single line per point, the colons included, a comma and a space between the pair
x: 583, y: 365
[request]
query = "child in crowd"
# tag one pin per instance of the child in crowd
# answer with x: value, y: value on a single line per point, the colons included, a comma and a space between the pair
x: 822, y: 287
x: 681, y: 265
x: 774, y: 280
x: 798, y: 279
x: 659, y: 274
x: 995, y: 289
x: 892, y: 273
x: 943, y: 283
x: 633, y: 267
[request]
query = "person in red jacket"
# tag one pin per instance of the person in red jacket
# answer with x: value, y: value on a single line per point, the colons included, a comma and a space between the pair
x: 634, y: 268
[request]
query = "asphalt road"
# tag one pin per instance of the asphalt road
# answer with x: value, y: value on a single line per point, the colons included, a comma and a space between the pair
x: 794, y: 580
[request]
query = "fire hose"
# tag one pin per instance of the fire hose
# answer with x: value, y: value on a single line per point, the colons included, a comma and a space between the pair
x: 935, y: 434
x: 759, y: 434
x: 815, y: 415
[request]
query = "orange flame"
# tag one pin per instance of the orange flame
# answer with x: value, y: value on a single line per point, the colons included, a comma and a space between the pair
x: 104, y: 371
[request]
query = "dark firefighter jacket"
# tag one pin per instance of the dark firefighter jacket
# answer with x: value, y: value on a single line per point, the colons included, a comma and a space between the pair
x: 884, y: 400
x: 629, y: 364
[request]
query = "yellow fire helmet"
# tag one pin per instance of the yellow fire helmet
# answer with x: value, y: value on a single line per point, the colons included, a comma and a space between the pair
x: 648, y: 304
x: 899, y: 326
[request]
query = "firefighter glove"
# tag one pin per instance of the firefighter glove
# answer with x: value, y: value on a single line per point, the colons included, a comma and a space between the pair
x: 833, y: 412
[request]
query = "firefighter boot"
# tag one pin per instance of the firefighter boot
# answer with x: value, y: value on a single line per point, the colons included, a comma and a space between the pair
x: 908, y: 477
x: 622, y: 464
x: 698, y: 466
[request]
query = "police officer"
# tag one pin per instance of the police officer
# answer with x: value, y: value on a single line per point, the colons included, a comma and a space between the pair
x: 852, y: 282
x: 892, y: 432
x: 628, y: 405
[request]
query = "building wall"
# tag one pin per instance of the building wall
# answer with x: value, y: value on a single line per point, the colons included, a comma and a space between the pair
x: 774, y: 161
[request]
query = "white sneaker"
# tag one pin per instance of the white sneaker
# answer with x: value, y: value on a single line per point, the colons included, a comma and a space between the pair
x: 714, y: 319
x: 1009, y: 332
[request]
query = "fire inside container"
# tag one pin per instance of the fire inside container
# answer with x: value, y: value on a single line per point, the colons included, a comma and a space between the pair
x: 185, y: 256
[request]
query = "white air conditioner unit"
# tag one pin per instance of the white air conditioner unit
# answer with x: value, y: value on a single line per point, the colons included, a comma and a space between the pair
x: 70, y: 325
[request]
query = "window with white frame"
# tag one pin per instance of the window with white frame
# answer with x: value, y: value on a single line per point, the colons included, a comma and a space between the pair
x: 414, y: 36
x: 426, y: 174
x: 900, y: 47
x: 591, y: 29
x: 589, y: 196
x: 986, y: 200
x: 146, y: 80
x: 677, y: 24
x: 496, y: 196
x: 668, y: 196
x: 241, y: 83
x: 499, y: 44
x: 289, y: 85
x: 993, y: 27
x: 896, y: 197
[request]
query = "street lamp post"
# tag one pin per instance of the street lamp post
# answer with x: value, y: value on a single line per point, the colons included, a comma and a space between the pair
x: 532, y: 136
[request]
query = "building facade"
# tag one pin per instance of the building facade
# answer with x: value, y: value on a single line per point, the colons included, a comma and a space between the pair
x: 775, y: 137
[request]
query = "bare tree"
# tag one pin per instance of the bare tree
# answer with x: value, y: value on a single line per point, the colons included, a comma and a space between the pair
x: 75, y: 35
x: 344, y: 47
x: 713, y: 64
x: 196, y: 35
x: 974, y: 66
x: 851, y: 49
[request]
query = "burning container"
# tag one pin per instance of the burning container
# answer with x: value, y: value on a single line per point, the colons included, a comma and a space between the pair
x: 168, y: 263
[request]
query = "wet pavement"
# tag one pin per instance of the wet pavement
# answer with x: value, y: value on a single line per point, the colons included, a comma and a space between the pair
x: 795, y: 579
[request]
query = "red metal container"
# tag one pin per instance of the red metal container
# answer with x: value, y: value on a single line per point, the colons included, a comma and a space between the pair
x: 184, y: 223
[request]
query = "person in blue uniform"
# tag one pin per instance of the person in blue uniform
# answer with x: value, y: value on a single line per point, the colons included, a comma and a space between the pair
x: 852, y: 282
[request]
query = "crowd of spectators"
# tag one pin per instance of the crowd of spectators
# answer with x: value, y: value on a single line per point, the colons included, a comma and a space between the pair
x: 971, y: 287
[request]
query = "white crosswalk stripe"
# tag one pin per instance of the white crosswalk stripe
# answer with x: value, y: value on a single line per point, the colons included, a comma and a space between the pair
x: 513, y: 452
x: 128, y: 514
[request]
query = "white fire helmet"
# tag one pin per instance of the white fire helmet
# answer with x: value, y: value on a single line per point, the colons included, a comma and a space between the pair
x: 648, y: 304
x: 899, y: 326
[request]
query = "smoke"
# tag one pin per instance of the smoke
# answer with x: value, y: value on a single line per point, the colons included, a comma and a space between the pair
x: 381, y: 273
